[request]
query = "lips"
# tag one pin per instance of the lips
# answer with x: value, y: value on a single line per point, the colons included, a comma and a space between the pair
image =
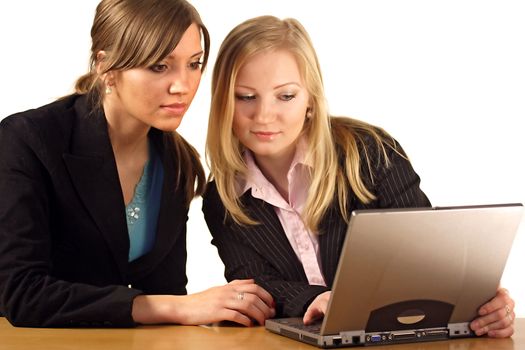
x: 177, y: 108
x: 265, y: 135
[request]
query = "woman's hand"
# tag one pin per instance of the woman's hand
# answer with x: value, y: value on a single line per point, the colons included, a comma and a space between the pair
x: 317, y: 308
x: 496, y: 318
x: 240, y: 301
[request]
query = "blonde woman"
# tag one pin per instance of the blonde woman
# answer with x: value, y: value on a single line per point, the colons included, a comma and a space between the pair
x: 286, y: 174
x: 95, y: 188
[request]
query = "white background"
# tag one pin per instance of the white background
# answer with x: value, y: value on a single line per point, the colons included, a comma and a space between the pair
x: 445, y: 77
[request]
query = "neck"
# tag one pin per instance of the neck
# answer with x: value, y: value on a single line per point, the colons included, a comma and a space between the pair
x: 128, y: 136
x: 275, y: 168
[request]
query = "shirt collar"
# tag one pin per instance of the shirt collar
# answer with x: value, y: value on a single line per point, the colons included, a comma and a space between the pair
x: 255, y: 179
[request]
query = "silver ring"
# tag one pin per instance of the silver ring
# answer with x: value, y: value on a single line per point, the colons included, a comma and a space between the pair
x: 508, y: 313
x: 240, y: 296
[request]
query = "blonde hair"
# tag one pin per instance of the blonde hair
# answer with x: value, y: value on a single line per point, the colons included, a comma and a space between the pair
x: 139, y: 33
x: 325, y: 134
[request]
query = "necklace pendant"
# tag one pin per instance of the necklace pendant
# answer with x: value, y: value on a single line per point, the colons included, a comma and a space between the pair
x: 133, y: 214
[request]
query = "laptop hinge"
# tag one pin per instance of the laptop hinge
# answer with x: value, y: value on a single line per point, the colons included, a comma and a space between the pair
x: 353, y: 337
x: 462, y: 329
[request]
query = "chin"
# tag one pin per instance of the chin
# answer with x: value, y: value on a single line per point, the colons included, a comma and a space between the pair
x: 168, y: 126
x: 264, y: 152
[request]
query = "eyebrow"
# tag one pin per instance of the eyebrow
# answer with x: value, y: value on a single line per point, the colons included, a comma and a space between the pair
x: 275, y: 87
x: 192, y: 56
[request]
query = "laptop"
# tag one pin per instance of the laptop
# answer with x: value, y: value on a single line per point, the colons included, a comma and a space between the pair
x: 412, y: 275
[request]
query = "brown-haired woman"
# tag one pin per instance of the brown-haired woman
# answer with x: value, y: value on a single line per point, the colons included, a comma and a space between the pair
x: 95, y: 187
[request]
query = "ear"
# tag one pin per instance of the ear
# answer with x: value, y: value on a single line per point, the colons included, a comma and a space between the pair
x: 106, y: 77
x: 101, y: 56
x: 308, y: 113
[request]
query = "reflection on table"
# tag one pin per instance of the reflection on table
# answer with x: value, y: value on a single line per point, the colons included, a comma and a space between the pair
x: 229, y: 337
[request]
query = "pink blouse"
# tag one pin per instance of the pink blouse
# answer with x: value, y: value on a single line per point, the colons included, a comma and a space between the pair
x: 304, y: 243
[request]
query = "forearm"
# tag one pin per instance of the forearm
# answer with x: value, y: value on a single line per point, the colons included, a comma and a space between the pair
x: 56, y: 303
x: 152, y: 309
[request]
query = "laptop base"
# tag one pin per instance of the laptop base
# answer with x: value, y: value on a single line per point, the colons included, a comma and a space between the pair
x: 288, y: 327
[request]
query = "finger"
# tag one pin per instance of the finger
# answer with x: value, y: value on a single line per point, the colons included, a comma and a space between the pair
x: 501, y: 299
x: 268, y: 311
x: 500, y: 329
x: 235, y: 316
x: 496, y: 320
x: 248, y: 307
x: 253, y: 288
x: 317, y: 308
x: 312, y: 314
x: 501, y: 333
x: 241, y: 282
x: 259, y: 291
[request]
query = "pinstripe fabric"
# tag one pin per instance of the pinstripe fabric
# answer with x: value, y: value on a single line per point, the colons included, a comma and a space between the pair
x: 263, y: 252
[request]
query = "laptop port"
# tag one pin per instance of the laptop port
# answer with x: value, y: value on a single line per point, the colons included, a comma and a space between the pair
x: 403, y: 335
x: 437, y: 333
x: 374, y: 338
x: 337, y: 341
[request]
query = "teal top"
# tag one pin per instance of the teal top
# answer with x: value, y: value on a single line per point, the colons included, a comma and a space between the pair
x: 143, y: 211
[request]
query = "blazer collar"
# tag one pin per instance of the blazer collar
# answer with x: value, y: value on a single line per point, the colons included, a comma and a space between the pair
x: 332, y: 233
x: 93, y: 171
x: 269, y: 239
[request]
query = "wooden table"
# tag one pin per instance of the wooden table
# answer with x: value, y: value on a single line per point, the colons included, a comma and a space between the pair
x: 206, y: 337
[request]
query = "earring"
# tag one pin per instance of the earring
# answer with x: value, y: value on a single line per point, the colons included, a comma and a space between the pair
x: 108, y: 90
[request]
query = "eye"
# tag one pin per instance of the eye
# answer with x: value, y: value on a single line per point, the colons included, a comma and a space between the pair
x: 158, y: 68
x: 242, y: 97
x: 287, y: 97
x: 195, y: 65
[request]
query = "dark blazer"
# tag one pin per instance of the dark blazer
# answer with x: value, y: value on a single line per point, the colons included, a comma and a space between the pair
x: 264, y: 253
x: 63, y: 235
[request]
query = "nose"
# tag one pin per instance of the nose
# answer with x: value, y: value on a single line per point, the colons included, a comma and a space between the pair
x: 179, y: 83
x: 265, y: 112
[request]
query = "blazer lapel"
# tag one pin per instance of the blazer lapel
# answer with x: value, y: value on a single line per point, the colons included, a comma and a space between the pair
x: 269, y: 238
x: 94, y: 174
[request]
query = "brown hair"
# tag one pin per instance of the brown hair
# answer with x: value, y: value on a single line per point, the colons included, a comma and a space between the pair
x: 139, y: 33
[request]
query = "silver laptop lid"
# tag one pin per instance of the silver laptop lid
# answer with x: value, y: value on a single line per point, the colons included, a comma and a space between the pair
x: 419, y: 268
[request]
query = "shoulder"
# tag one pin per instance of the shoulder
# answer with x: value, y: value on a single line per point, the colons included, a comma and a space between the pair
x: 211, y: 195
x: 51, y: 118
x: 368, y: 140
x: 369, y: 148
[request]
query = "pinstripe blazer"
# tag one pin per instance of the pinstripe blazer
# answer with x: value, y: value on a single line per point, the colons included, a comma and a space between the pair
x: 264, y: 253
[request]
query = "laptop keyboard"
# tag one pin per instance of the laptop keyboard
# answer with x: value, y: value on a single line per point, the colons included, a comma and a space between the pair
x: 312, y: 328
